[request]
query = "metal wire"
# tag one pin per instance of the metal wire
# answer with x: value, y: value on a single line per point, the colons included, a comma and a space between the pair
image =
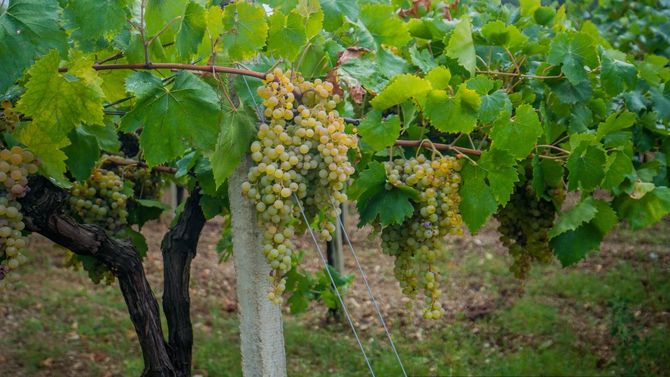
x: 367, y: 285
x: 332, y: 280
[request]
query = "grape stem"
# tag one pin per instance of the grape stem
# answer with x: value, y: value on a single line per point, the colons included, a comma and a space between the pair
x: 177, y: 67
x: 444, y: 147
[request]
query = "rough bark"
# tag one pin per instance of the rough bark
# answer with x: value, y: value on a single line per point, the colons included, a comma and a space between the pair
x: 179, y: 247
x: 42, y: 210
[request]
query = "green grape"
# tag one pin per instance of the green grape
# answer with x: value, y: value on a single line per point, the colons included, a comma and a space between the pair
x: 418, y: 241
x: 300, y: 153
x: 15, y: 166
x: 100, y: 200
x: 525, y: 222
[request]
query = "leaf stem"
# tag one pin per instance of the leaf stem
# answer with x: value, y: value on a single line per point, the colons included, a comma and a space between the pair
x: 178, y: 67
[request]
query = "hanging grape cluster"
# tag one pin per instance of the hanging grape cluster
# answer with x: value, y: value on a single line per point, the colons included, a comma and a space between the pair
x: 97, y: 271
x: 419, y: 240
x: 147, y: 184
x: 9, y: 117
x: 524, y: 227
x: 15, y: 166
x: 100, y: 200
x: 301, y: 153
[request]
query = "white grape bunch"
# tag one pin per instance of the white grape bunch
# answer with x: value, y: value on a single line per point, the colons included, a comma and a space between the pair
x: 300, y: 154
x: 100, y: 200
x: 16, y: 164
x: 419, y: 239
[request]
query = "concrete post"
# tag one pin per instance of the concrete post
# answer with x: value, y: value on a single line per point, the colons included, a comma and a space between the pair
x: 261, y: 331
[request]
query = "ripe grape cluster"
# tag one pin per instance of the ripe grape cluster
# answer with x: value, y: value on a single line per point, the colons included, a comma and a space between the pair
x: 418, y: 241
x: 9, y: 117
x: 300, y: 154
x: 147, y: 184
x: 97, y: 271
x: 525, y: 222
x: 15, y: 166
x: 100, y: 200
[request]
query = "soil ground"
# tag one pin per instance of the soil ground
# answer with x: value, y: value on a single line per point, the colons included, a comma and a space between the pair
x: 608, y: 315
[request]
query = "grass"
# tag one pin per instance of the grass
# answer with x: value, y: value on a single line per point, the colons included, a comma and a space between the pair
x: 581, y: 321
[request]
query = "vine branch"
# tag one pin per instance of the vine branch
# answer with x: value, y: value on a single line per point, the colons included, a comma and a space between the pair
x: 177, y: 67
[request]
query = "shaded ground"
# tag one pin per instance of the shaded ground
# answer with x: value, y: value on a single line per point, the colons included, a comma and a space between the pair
x: 609, y: 315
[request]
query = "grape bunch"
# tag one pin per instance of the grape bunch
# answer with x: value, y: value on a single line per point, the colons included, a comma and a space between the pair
x: 15, y: 166
x: 97, y: 271
x: 419, y: 240
x: 300, y: 153
x: 147, y: 184
x: 525, y: 222
x: 100, y: 200
x: 9, y: 117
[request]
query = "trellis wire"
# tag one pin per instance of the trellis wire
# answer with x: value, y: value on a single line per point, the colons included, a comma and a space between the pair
x: 332, y: 281
x: 367, y: 285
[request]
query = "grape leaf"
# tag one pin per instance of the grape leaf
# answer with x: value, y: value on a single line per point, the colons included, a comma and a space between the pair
x: 47, y: 150
x: 581, y: 213
x: 237, y: 132
x: 493, y: 105
x: 82, y: 153
x: 618, y: 166
x: 159, y: 13
x: 573, y: 51
x: 94, y: 19
x: 400, y: 89
x: 615, y: 122
x: 439, y: 77
x: 369, y: 182
x: 423, y: 59
x: 191, y: 30
x: 477, y: 200
x: 461, y: 46
x: 311, y: 11
x: 501, y: 172
x: 334, y: 12
x: 28, y: 29
x: 645, y: 211
x: 453, y: 114
x: 60, y: 102
x: 384, y: 25
x: 586, y: 166
x: 379, y: 133
x: 616, y: 74
x: 518, y: 135
x: 145, y: 210
x: 245, y: 29
x: 287, y: 36
x: 136, y: 238
x: 106, y: 136
x: 391, y: 206
x: 189, y: 110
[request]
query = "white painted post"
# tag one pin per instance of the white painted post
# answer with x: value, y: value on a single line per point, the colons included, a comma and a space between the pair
x: 261, y: 331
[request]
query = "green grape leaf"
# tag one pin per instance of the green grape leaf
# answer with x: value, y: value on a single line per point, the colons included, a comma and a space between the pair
x: 477, y: 200
x: 461, y: 46
x: 187, y: 111
x: 615, y: 122
x: 191, y: 30
x: 618, y: 166
x: 95, y: 19
x: 82, y: 153
x: 573, y: 51
x: 60, y: 102
x: 493, y: 105
x: 144, y: 210
x: 28, y: 29
x: 136, y: 238
x: 245, y: 29
x: 214, y: 21
x: 616, y: 74
x: 106, y: 136
x: 582, y: 212
x: 439, y: 77
x: 313, y: 15
x: 400, y: 89
x: 502, y: 174
x: 287, y: 36
x: 423, y: 59
x: 453, y: 114
x: 159, y: 13
x: 379, y: 133
x: 546, y: 172
x: 645, y: 211
x: 384, y: 25
x: 496, y: 33
x: 390, y: 206
x: 586, y: 166
x: 237, y: 132
x: 369, y: 182
x: 519, y: 134
x: 527, y: 8
x: 47, y: 150
x: 334, y: 12
x: 572, y: 246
